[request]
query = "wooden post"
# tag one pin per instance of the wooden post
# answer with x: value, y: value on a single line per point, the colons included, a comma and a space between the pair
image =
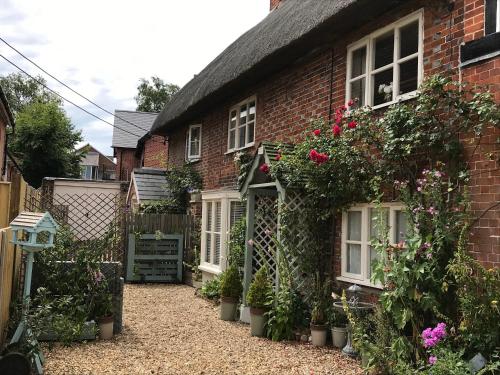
x: 247, y: 271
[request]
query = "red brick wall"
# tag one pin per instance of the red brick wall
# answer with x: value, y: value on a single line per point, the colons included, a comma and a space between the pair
x: 155, y: 152
x: 126, y: 161
x: 274, y: 3
x: 287, y: 101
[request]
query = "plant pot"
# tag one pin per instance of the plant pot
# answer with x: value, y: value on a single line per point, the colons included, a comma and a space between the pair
x: 106, y: 328
x: 318, y: 334
x: 228, y: 308
x: 257, y: 321
x: 339, y: 337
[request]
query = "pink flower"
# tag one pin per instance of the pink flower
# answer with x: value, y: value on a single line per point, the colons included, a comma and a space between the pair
x: 317, y: 132
x: 350, y: 103
x: 336, y: 130
x: 432, y: 359
x: 250, y: 243
x: 352, y: 125
x: 268, y: 232
x: 432, y: 210
x: 278, y: 157
x: 264, y: 168
x: 318, y: 158
x: 343, y: 108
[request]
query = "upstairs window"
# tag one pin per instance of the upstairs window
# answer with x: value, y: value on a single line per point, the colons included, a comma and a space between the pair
x: 386, y: 65
x: 242, y: 118
x: 492, y: 17
x: 193, y: 143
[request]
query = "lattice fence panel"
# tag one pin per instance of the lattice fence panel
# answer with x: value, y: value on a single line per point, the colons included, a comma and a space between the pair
x: 89, y: 216
x: 265, y: 225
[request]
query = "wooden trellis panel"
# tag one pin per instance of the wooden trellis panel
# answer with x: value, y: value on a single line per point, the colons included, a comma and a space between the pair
x: 265, y: 226
x: 156, y: 258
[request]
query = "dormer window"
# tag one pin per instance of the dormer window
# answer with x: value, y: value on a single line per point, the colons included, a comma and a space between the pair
x: 387, y: 65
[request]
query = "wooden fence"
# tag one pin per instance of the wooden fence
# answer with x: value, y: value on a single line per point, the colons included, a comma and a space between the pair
x: 10, y: 266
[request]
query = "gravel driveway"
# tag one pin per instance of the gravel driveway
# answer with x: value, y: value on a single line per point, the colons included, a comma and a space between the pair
x: 167, y: 330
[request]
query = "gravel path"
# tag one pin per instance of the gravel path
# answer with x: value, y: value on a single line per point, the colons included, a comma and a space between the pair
x: 170, y: 331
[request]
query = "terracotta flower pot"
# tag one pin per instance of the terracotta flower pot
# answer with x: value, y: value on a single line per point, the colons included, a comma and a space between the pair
x: 228, y: 308
x: 318, y: 334
x: 106, y: 327
x: 257, y: 321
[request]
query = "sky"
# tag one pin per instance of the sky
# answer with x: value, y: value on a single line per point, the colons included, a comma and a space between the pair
x: 102, y: 48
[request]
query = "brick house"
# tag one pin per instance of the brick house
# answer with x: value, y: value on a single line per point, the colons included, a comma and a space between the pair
x: 308, y: 57
x: 130, y: 127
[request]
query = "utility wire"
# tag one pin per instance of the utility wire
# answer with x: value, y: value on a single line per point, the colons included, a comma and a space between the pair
x: 67, y: 100
x: 69, y: 88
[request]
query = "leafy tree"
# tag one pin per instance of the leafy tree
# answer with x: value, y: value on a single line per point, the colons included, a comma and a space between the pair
x: 22, y: 91
x: 153, y: 96
x: 44, y: 141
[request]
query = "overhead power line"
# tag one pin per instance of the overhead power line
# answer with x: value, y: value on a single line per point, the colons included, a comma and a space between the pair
x: 68, y: 87
x: 67, y: 100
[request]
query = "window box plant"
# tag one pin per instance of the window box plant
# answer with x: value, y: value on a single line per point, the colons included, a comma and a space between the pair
x: 258, y: 300
x: 231, y: 288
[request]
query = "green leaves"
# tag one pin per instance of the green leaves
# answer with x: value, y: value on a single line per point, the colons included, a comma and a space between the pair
x: 153, y: 96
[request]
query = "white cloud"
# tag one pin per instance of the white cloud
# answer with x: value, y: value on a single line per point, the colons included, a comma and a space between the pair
x: 102, y: 48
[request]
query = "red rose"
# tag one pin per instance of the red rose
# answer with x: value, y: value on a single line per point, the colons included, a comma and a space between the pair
x: 352, y: 125
x: 313, y: 154
x: 278, y: 157
x: 318, y: 158
x: 336, y: 130
x: 350, y: 103
x: 264, y: 168
x: 317, y: 132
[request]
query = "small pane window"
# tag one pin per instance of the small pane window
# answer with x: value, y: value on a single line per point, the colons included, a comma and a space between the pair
x: 384, y: 50
x: 193, y: 143
x: 242, y: 125
x: 354, y: 226
x: 401, y: 227
x: 382, y: 87
x: 408, y: 76
x: 409, y: 40
x: 358, y: 66
x: 358, y: 91
x: 354, y: 259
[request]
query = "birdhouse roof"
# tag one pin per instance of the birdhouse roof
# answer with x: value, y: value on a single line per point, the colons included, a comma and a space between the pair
x: 35, y: 222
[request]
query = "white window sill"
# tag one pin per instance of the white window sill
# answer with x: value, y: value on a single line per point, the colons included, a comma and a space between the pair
x: 401, y: 98
x: 239, y: 149
x: 193, y: 160
x: 215, y: 270
x: 359, y: 282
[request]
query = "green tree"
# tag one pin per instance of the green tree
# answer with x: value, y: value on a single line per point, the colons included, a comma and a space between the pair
x: 153, y: 96
x: 22, y: 91
x: 44, y: 141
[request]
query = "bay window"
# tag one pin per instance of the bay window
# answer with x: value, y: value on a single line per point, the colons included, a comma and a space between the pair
x: 387, y: 65
x: 361, y: 226
x: 220, y: 211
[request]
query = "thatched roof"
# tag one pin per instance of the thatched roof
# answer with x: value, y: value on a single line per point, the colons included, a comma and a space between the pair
x: 288, y: 33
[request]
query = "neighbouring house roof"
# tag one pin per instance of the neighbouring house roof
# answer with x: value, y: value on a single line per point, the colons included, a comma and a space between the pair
x: 89, y: 148
x: 291, y: 31
x: 148, y: 184
x: 142, y: 122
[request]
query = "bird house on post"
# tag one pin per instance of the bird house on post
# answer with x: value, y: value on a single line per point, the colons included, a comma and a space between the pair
x: 28, y: 227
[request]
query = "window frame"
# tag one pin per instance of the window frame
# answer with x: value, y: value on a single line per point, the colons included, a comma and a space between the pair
x: 189, y: 157
x: 369, y: 43
x: 365, y: 242
x: 225, y: 198
x: 237, y: 108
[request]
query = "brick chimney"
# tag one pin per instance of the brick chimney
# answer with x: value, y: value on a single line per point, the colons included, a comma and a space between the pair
x: 274, y: 4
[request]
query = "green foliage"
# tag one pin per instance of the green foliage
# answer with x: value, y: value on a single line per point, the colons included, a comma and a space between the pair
x: 337, y: 318
x: 211, y: 289
x: 164, y: 206
x: 237, y: 243
x: 230, y: 283
x: 22, y: 91
x: 153, y: 96
x: 45, y: 141
x: 259, y: 290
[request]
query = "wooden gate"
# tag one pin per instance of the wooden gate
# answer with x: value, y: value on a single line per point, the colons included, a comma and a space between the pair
x: 155, y: 257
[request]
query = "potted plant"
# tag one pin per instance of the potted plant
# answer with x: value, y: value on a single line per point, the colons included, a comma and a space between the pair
x: 257, y: 299
x: 319, y: 327
x: 338, y: 322
x: 104, y: 314
x: 230, y: 292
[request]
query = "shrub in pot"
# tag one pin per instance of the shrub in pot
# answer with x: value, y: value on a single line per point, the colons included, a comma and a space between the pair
x: 258, y: 300
x: 230, y: 292
x: 104, y: 314
x: 338, y: 321
x: 319, y: 327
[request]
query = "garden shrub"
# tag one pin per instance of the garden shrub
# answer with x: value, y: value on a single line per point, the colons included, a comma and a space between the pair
x: 230, y: 283
x: 211, y: 289
x: 259, y: 290
x: 237, y: 243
